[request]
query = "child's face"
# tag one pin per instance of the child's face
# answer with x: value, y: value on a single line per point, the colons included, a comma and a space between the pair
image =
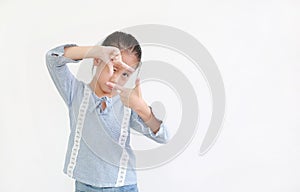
x: 116, y: 74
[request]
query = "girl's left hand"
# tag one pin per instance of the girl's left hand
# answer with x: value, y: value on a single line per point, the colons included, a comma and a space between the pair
x: 131, y: 98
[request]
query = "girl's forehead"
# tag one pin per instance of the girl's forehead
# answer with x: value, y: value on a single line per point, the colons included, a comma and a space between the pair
x: 130, y: 59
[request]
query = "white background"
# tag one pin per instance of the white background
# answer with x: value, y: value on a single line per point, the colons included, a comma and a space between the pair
x: 255, y: 44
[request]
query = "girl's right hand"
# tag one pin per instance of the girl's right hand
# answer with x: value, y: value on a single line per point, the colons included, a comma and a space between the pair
x: 107, y: 53
x: 112, y: 56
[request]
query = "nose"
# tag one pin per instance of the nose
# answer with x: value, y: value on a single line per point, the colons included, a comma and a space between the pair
x: 115, y: 78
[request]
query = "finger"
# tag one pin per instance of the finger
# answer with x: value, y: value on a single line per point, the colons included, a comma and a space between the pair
x: 113, y: 51
x: 124, y: 65
x: 137, y: 85
x: 127, y: 67
x: 115, y: 86
x: 137, y: 82
x: 115, y: 56
x: 110, y: 67
x: 116, y: 52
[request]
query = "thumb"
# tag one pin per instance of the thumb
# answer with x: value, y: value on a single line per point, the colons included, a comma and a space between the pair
x: 138, y: 85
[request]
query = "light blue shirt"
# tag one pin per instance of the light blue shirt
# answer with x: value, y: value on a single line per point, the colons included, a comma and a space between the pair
x: 99, y: 152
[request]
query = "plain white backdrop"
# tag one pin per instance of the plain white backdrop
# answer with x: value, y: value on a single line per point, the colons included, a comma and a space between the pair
x: 254, y: 43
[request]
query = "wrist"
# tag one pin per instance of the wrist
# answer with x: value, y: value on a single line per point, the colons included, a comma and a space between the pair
x: 143, y: 110
x: 94, y: 51
x: 141, y: 107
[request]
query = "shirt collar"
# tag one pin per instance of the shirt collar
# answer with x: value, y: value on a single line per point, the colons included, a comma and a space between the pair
x: 98, y: 100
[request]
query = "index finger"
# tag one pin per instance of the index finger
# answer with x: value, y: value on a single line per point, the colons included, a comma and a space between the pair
x: 123, y: 65
x: 115, y: 86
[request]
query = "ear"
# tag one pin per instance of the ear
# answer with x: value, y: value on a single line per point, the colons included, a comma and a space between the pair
x: 97, y: 61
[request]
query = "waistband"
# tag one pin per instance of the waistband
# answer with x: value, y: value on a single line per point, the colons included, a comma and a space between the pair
x: 82, y: 187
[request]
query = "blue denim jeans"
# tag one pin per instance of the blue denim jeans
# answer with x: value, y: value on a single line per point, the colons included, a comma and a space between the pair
x: 82, y: 187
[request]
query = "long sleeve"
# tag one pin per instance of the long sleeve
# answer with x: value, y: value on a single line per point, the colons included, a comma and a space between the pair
x: 63, y: 79
x: 136, y: 122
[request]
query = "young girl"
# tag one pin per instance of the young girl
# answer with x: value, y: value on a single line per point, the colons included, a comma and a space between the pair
x: 103, y: 106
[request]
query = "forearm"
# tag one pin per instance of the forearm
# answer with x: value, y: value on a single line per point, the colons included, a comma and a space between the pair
x: 63, y: 79
x: 81, y: 52
x: 148, y: 117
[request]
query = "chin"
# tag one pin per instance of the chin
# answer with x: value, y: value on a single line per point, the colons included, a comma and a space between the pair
x: 105, y: 89
x: 108, y: 92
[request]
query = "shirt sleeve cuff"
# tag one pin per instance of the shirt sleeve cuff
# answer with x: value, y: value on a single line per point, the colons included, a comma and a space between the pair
x: 149, y: 131
x: 56, y: 56
x: 158, y: 133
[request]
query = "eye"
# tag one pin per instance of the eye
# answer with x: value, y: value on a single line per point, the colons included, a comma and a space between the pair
x: 125, y: 75
x: 115, y: 69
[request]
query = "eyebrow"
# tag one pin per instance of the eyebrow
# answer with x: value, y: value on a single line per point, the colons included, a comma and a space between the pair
x: 133, y: 67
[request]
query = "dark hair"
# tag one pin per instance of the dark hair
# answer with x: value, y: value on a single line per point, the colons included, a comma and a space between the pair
x: 123, y: 41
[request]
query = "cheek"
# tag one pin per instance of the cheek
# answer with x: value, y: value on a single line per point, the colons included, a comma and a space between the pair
x: 123, y: 81
x: 105, y: 74
x: 105, y: 71
x: 103, y: 78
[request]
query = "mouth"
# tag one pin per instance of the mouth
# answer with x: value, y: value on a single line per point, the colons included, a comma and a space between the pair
x: 111, y: 89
